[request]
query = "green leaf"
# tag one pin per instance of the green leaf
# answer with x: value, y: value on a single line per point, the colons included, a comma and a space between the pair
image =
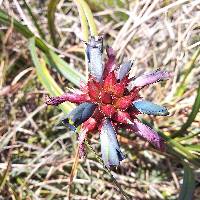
x: 89, y: 16
x: 85, y: 30
x: 187, y: 137
x: 188, y: 185
x: 84, y: 24
x: 180, y: 151
x: 195, y: 147
x: 45, y: 78
x: 66, y: 70
x: 8, y: 21
x: 51, y: 18
x: 189, y: 66
x: 193, y: 114
x: 34, y: 18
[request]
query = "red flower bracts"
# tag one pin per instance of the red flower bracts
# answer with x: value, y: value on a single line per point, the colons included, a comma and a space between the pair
x: 111, y: 100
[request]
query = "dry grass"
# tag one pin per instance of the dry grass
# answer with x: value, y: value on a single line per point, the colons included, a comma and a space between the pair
x: 38, y: 152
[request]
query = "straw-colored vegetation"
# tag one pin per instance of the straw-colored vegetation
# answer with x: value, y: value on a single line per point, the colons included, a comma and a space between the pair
x: 41, y: 52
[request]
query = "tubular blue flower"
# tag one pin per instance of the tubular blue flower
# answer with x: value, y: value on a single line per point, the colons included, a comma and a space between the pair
x: 109, y: 101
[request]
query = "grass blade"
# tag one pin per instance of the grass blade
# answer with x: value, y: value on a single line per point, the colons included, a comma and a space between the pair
x: 84, y: 24
x: 40, y: 31
x: 174, y: 147
x: 195, y: 147
x: 187, y: 137
x: 89, y: 16
x: 67, y: 71
x: 188, y: 68
x: 7, y: 20
x: 188, y: 185
x: 85, y: 30
x: 45, y: 78
x: 191, y: 118
x: 51, y: 18
x: 180, y: 151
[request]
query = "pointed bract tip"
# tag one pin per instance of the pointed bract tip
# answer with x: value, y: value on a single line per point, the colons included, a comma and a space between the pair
x: 124, y: 69
x: 94, y: 51
x: 110, y: 51
x: 152, y: 77
x: 54, y: 101
x: 148, y: 134
x: 149, y: 108
x: 110, y: 150
x: 79, y: 114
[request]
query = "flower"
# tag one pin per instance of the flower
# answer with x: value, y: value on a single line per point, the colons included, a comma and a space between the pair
x: 110, y: 100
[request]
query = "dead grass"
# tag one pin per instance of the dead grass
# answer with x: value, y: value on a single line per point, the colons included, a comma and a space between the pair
x: 38, y: 152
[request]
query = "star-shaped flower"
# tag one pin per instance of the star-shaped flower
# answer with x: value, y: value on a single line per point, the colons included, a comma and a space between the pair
x: 109, y: 101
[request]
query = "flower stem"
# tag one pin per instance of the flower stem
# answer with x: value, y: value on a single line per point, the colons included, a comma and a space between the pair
x: 108, y: 171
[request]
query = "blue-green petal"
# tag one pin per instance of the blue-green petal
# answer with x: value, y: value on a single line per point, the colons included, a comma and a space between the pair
x: 150, y: 108
x: 79, y: 115
x: 123, y: 70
